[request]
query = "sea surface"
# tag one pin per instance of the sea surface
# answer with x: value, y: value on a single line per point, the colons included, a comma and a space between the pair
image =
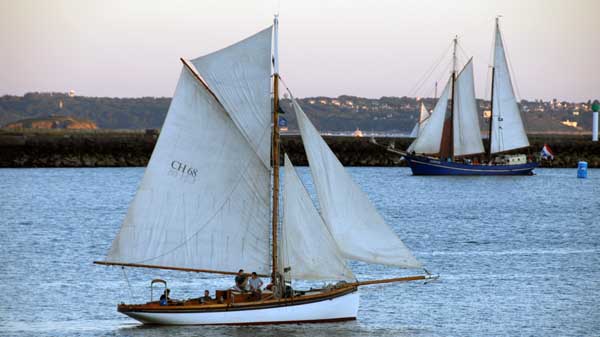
x: 517, y: 256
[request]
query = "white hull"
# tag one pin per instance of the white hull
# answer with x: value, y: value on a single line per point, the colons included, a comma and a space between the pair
x: 336, y: 309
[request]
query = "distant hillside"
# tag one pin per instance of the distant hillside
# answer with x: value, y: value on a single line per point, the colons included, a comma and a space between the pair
x: 52, y: 122
x: 343, y: 113
x: 106, y: 112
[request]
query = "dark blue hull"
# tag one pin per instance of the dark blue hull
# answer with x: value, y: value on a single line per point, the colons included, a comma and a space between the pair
x: 427, y: 166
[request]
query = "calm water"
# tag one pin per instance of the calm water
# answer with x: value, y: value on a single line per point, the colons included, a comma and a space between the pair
x: 516, y: 255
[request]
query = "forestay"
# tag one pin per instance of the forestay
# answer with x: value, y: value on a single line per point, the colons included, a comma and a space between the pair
x: 204, y: 200
x: 467, y: 135
x: 507, y: 127
x: 240, y: 77
x: 430, y: 136
x: 306, y: 243
x: 358, y: 229
x: 423, y: 118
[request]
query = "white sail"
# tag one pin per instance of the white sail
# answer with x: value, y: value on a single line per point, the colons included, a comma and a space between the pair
x: 507, y: 127
x: 423, y: 114
x: 430, y: 136
x: 467, y: 135
x: 423, y: 117
x: 306, y: 243
x: 204, y: 200
x: 415, y: 131
x: 239, y: 75
x: 358, y: 229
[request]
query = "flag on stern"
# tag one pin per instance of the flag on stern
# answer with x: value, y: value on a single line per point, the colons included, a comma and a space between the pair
x: 546, y: 153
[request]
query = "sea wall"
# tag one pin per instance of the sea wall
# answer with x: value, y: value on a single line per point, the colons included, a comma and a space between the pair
x: 116, y: 148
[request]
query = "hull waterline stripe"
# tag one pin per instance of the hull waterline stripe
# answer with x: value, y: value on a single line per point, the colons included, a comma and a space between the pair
x: 491, y: 170
x: 327, y: 320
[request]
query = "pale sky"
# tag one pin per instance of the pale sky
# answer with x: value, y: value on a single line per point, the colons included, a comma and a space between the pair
x: 327, y: 47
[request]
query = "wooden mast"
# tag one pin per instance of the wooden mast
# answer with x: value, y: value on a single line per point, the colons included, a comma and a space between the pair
x: 452, y: 100
x: 489, y: 154
x: 447, y: 141
x: 275, y: 149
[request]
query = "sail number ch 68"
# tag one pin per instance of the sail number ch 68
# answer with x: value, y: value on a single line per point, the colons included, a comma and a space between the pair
x: 183, y: 170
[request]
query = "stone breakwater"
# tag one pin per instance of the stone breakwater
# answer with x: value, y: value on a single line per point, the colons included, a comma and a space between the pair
x: 118, y: 148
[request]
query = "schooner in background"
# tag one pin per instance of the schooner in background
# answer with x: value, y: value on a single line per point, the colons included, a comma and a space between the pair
x: 208, y: 202
x: 449, y: 141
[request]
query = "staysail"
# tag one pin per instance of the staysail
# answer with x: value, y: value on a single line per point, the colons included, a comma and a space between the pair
x: 204, y: 200
x: 415, y: 131
x: 307, y: 246
x: 507, y: 127
x: 467, y: 135
x: 423, y: 118
x: 430, y: 135
x: 358, y: 229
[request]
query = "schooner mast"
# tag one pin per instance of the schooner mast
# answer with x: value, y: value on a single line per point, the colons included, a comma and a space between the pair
x: 275, y: 148
x: 447, y: 145
x: 489, y: 149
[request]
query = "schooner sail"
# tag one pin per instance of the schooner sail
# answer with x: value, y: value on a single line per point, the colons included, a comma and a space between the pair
x: 430, y: 137
x: 450, y: 143
x: 207, y: 203
x: 507, y: 131
x: 423, y: 116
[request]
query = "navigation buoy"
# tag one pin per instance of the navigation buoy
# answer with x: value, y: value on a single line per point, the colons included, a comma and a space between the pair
x: 582, y: 169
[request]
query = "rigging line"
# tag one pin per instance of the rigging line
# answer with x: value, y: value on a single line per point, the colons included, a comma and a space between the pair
x: 444, y: 70
x: 461, y: 49
x: 128, y: 285
x: 430, y: 70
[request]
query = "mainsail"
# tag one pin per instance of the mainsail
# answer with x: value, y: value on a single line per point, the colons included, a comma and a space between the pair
x: 507, y: 130
x: 430, y: 135
x: 204, y: 200
x: 358, y: 229
x: 467, y: 135
x: 307, y: 246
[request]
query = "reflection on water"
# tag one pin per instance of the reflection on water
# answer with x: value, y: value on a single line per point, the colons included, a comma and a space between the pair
x: 516, y: 255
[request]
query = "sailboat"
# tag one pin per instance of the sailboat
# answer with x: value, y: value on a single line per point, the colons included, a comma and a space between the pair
x: 209, y: 202
x: 423, y: 116
x: 450, y: 143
